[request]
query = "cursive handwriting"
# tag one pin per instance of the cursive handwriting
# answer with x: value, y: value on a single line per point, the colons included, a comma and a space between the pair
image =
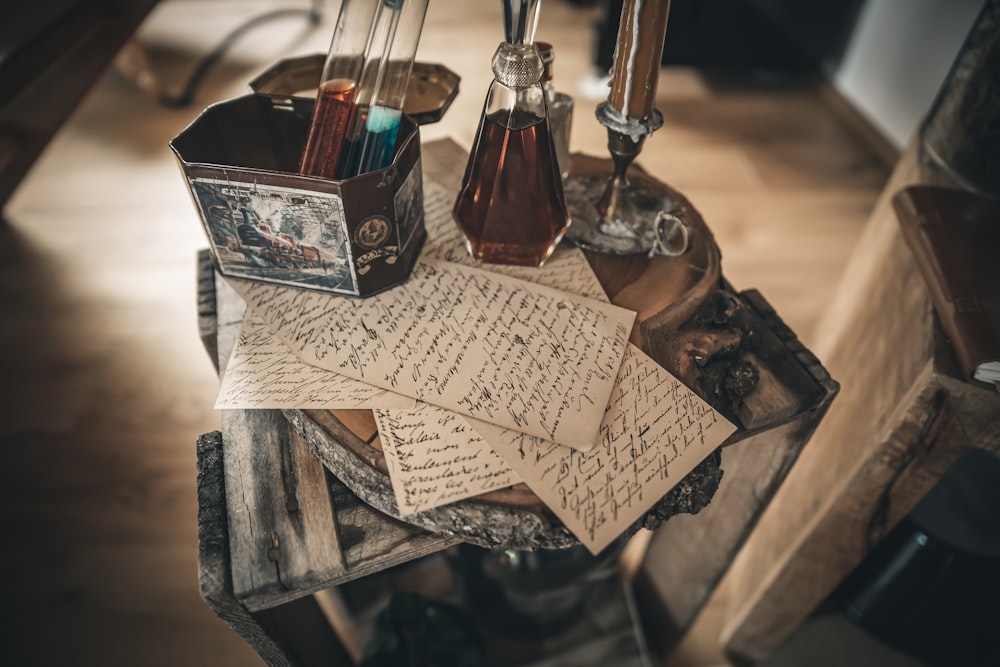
x: 523, y: 356
x: 263, y: 373
x: 651, y: 434
x: 654, y: 432
x: 435, y: 458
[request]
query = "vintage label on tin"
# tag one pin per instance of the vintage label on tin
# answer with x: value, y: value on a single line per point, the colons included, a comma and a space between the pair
x: 282, y: 235
x: 372, y: 232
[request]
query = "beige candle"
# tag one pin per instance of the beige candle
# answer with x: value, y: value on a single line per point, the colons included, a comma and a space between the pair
x: 638, y: 53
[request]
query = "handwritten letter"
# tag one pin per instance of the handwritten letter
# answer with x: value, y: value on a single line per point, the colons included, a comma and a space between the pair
x: 655, y: 431
x: 522, y: 356
x: 263, y: 373
x: 436, y: 458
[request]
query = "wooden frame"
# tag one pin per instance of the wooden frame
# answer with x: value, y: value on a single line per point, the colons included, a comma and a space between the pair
x: 904, y: 416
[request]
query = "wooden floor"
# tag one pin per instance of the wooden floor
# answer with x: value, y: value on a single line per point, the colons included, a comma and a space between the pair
x: 103, y: 383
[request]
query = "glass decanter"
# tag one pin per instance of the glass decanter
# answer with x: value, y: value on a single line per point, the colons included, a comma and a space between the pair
x: 511, y: 206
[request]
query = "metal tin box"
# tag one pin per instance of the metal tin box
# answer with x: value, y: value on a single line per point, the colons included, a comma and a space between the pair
x: 265, y: 222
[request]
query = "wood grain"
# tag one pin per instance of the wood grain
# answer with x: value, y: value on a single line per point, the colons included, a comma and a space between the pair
x: 296, y: 633
x: 903, y: 419
x: 283, y: 534
x: 699, y: 549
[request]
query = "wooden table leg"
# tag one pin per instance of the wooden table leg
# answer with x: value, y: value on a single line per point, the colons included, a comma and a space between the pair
x: 292, y: 634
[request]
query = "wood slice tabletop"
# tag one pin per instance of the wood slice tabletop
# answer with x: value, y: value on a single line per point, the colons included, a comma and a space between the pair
x: 689, y: 321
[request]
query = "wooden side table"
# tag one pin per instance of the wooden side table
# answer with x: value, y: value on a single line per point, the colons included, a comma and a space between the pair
x: 277, y: 528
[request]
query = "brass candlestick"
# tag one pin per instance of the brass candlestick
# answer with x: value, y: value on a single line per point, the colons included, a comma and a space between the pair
x: 633, y: 214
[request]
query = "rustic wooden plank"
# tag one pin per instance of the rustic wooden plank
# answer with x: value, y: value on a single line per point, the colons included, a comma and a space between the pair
x: 284, y: 541
x: 688, y: 555
x: 900, y: 470
x: 276, y: 636
x: 883, y: 357
x: 373, y: 541
x: 214, y: 572
x: 264, y: 441
x: 901, y: 419
x: 283, y: 537
x: 269, y: 572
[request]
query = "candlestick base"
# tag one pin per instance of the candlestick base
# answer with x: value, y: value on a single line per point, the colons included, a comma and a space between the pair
x: 646, y: 220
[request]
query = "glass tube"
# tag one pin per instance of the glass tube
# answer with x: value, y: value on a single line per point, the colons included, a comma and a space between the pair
x: 360, y: 99
x: 371, y: 139
x: 335, y: 99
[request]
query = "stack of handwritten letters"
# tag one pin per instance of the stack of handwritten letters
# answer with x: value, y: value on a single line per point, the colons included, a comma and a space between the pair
x: 482, y: 377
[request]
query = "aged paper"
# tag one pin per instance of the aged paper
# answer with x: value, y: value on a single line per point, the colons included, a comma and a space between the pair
x: 440, y: 436
x: 436, y: 458
x: 420, y: 445
x: 263, y: 373
x: 655, y: 431
x: 522, y: 356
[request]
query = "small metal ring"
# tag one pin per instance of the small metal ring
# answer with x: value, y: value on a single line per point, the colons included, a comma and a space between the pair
x: 672, y: 235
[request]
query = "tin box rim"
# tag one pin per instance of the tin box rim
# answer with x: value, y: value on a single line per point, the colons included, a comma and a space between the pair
x: 432, y: 86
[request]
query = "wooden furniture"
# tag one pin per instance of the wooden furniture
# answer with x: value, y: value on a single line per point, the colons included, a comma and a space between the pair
x: 276, y: 525
x: 50, y: 55
x: 904, y: 415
